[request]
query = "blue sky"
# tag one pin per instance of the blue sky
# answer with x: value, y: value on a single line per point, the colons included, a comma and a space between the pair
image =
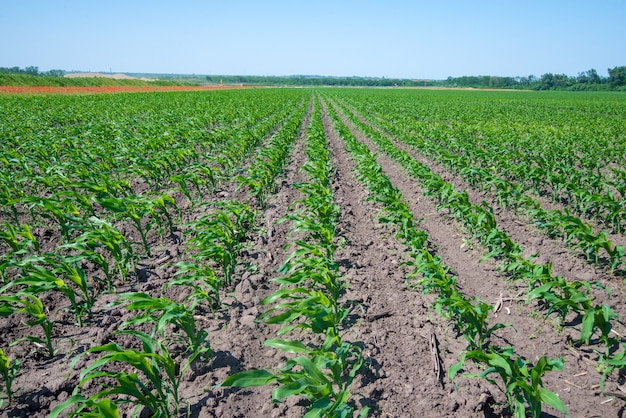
x: 390, y: 38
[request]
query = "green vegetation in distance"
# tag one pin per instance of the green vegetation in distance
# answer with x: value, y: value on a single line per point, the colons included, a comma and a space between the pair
x: 588, y: 80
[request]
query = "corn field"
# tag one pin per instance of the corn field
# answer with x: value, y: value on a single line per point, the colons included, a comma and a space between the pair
x: 313, y: 252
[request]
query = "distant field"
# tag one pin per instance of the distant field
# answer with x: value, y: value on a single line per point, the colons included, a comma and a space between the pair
x: 401, y: 252
x: 102, y: 89
x: 117, y: 76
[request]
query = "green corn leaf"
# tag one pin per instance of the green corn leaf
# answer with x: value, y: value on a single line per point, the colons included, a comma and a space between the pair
x: 288, y: 346
x: 104, y: 408
x: 587, y: 326
x: 552, y: 399
x: 249, y: 378
x: 294, y: 388
x: 312, y: 370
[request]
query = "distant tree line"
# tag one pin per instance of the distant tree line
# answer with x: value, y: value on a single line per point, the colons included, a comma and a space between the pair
x: 31, y: 71
x: 312, y: 80
x: 588, y: 80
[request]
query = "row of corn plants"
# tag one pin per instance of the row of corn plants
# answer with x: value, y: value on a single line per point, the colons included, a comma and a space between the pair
x: 596, y: 246
x: 215, y: 240
x: 269, y: 160
x: 151, y: 376
x: 561, y: 154
x: 521, y: 382
x: 57, y: 190
x: 576, y: 233
x: 175, y: 341
x: 309, y: 300
x: 554, y: 293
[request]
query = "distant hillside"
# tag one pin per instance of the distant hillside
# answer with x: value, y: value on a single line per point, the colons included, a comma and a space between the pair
x: 92, y: 80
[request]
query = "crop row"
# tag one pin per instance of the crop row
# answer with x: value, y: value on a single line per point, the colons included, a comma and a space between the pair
x: 554, y: 293
x: 560, y: 154
x: 469, y: 315
x: 309, y: 299
x: 486, y: 174
x: 85, y: 210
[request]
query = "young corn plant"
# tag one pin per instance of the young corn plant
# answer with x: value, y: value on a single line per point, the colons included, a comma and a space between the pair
x: 219, y: 236
x: 200, y: 176
x: 8, y: 372
x: 607, y: 363
x: 41, y: 274
x: 519, y: 380
x: 315, y: 296
x: 99, y: 238
x: 470, y: 319
x: 30, y: 305
x: 202, y: 281
x: 163, y: 312
x: 21, y: 244
x: 597, y: 319
x: 153, y: 385
x: 69, y: 268
x: 564, y: 298
x: 323, y: 377
x: 137, y: 208
x: 559, y: 296
x: 20, y: 241
x: 63, y: 211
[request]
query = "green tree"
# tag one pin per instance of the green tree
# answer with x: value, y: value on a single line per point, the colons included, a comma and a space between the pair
x: 32, y: 70
x: 617, y: 76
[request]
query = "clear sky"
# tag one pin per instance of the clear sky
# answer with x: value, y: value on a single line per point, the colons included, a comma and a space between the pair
x: 388, y: 38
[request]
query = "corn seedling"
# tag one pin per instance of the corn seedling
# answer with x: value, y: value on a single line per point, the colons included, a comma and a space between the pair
x: 218, y: 236
x: 152, y: 385
x: 63, y: 211
x: 30, y: 305
x: 8, y: 371
x: 136, y: 208
x: 470, y: 319
x: 323, y: 377
x: 163, y: 312
x: 519, y: 381
x: 101, y: 237
x: 204, y: 284
x: 608, y: 363
x: 38, y: 276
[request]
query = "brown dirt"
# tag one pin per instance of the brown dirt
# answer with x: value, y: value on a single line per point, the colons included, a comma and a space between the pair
x: 393, y: 323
